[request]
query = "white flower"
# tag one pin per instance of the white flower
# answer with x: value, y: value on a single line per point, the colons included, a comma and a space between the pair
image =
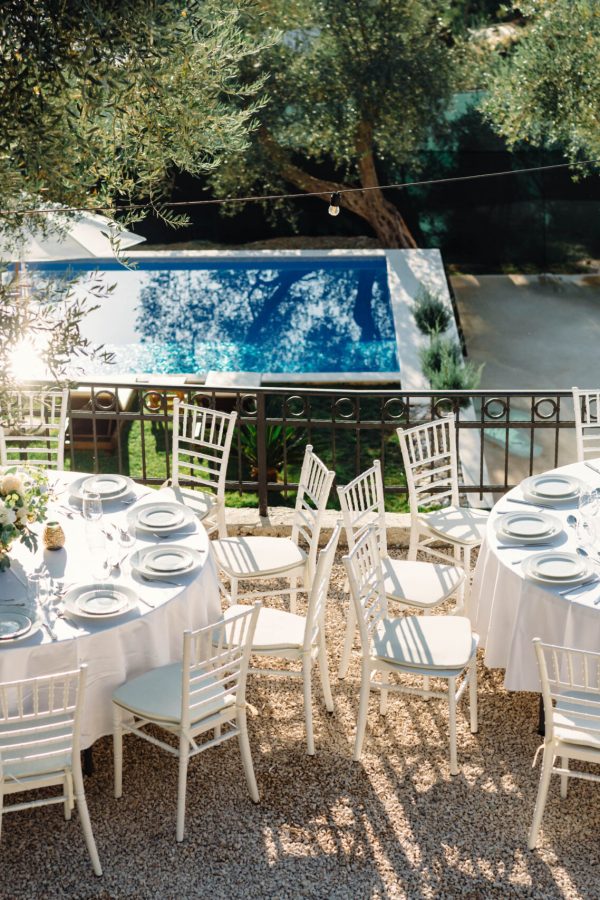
x: 22, y: 514
x: 7, y: 515
x: 12, y: 484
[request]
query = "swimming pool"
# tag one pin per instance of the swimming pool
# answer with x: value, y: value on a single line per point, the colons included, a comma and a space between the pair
x: 187, y: 314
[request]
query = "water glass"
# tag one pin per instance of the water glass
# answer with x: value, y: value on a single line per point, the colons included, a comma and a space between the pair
x: 34, y: 589
x: 125, y: 535
x: 92, y: 506
x: 586, y: 531
x: 96, y: 542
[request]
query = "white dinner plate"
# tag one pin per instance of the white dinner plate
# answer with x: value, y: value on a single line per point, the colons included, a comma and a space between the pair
x: 160, y: 517
x: 99, y: 602
x: 527, y: 528
x: 557, y: 567
x: 166, y: 561
x: 106, y: 485
x: 169, y: 559
x: 102, y: 601
x: 7, y: 611
x: 553, y: 487
x: 13, y: 624
x: 77, y: 489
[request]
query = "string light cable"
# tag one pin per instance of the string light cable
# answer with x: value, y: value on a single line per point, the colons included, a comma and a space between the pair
x: 335, y: 197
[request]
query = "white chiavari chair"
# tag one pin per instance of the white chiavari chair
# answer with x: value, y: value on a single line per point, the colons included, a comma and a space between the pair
x: 39, y: 745
x: 413, y: 585
x: 570, y: 681
x: 201, y: 445
x: 34, y: 429
x: 250, y: 558
x: 429, y: 454
x: 285, y: 635
x: 587, y: 424
x: 427, y: 646
x: 204, y: 693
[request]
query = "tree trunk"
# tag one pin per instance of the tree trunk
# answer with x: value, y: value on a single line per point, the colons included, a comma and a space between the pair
x: 384, y: 218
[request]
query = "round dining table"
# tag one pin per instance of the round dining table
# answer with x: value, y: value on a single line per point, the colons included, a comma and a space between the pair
x: 508, y: 608
x: 115, y: 649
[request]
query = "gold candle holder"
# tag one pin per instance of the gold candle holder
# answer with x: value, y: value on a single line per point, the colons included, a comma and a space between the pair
x: 54, y: 536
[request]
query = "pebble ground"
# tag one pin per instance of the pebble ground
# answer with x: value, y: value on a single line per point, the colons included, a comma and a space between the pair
x: 395, y: 825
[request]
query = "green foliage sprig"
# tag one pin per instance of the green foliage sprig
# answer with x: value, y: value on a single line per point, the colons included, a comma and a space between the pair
x: 431, y: 313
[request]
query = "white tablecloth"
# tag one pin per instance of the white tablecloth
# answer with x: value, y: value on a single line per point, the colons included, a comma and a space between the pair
x: 508, y: 610
x: 121, y: 648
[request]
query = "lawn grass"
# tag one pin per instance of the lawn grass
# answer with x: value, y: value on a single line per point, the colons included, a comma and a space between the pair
x: 142, y: 449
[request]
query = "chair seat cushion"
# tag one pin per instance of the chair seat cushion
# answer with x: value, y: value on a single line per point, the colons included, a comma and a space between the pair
x: 425, y: 642
x: 462, y: 526
x: 156, y: 695
x: 20, y: 762
x: 569, y: 724
x: 276, y: 629
x: 245, y: 557
x: 420, y: 584
x: 200, y: 502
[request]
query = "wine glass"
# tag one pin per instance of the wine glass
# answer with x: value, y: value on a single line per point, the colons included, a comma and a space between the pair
x: 586, y: 531
x: 92, y: 506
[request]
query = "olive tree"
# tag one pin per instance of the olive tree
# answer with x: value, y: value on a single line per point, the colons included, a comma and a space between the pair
x: 355, y: 87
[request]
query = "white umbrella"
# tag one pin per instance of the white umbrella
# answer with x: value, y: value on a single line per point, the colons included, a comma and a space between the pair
x: 85, y: 236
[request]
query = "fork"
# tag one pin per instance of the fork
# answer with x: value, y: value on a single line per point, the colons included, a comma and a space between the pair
x: 162, y: 581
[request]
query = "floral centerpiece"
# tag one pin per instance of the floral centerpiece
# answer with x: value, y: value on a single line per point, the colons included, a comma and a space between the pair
x: 23, y: 501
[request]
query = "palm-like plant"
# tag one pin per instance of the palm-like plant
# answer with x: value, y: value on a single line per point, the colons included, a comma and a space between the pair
x: 283, y: 444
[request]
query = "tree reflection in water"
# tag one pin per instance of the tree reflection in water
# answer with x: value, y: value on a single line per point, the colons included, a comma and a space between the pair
x: 294, y: 318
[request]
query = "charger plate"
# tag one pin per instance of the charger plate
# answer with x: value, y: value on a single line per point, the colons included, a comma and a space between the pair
x: 99, y: 601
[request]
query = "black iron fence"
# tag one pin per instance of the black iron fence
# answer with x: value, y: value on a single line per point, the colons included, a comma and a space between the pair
x: 503, y: 435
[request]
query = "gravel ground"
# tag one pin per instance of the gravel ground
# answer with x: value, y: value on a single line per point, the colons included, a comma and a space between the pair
x: 394, y: 825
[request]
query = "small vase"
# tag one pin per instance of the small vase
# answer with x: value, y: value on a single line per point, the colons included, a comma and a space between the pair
x: 54, y: 536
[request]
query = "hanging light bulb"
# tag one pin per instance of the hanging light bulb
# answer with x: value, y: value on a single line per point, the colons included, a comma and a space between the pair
x: 334, y: 204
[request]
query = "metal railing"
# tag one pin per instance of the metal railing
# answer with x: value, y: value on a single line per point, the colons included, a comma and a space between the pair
x: 125, y: 426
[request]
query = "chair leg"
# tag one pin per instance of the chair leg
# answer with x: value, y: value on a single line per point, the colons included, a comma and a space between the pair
x: 307, y: 683
x: 69, y: 801
x: 413, y: 542
x: 363, y: 708
x: 324, y: 673
x: 564, y: 779
x: 348, y: 640
x: 246, y: 754
x: 184, y: 751
x: 293, y: 594
x: 118, y: 750
x: 383, y: 698
x: 221, y: 523
x: 84, y: 817
x: 473, y: 708
x: 540, y: 802
x: 233, y: 590
x: 452, y: 725
x: 426, y: 677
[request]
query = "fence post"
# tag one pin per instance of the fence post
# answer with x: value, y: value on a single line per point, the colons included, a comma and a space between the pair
x: 261, y: 453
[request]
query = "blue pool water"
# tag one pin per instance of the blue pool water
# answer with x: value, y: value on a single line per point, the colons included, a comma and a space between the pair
x: 186, y: 315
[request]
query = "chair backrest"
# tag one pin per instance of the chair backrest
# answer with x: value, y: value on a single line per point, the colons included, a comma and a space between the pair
x: 39, y: 722
x: 587, y: 423
x: 362, y: 503
x: 573, y: 677
x: 367, y: 586
x: 215, y: 663
x: 313, y: 492
x: 317, y: 600
x: 34, y: 433
x: 201, y: 445
x: 430, y: 463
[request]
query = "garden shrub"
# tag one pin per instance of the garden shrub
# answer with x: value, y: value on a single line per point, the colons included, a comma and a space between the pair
x: 431, y: 313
